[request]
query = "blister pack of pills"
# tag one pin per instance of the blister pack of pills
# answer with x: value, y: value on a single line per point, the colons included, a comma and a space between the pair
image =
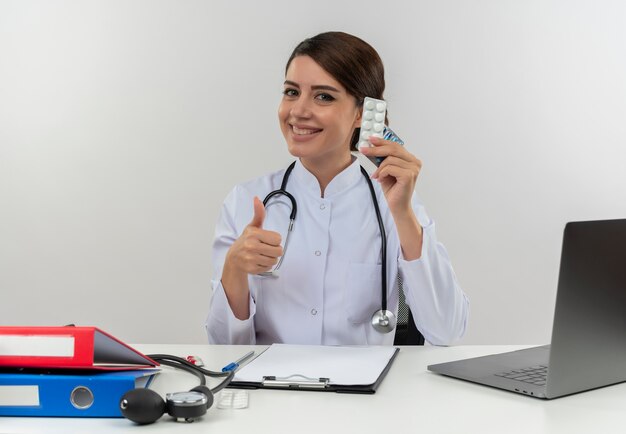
x: 229, y: 399
x: 373, y: 124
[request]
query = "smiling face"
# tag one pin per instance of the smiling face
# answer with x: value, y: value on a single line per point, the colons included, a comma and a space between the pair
x: 317, y: 116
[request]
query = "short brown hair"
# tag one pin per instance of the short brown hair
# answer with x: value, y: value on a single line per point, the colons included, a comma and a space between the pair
x: 351, y: 61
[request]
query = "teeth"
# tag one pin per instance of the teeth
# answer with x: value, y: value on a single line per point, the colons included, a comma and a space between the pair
x: 303, y: 131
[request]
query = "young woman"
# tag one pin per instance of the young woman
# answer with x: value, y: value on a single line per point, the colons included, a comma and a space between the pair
x: 327, y: 289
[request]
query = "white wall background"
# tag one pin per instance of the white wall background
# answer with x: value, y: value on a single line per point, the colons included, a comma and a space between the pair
x: 123, y: 124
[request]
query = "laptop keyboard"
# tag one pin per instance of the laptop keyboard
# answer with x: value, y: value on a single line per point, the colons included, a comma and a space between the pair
x: 534, y: 375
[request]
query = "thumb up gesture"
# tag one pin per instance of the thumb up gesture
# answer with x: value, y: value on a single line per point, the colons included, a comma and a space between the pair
x: 259, y: 214
x: 256, y: 250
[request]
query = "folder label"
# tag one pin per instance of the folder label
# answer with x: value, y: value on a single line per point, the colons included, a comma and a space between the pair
x: 19, y: 396
x: 51, y: 346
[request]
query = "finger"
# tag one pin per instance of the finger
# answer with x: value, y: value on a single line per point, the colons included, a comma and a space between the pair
x: 254, y: 239
x: 259, y: 213
x: 396, y: 172
x: 381, y: 148
x: 268, y: 237
x: 253, y: 268
x: 265, y: 261
x: 267, y: 250
x: 394, y: 150
x: 258, y: 269
x: 378, y: 142
x: 396, y: 161
x: 386, y: 148
x: 252, y: 261
x: 414, y: 166
x: 252, y: 245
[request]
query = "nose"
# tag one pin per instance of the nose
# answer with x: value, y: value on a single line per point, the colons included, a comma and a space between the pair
x: 301, y: 108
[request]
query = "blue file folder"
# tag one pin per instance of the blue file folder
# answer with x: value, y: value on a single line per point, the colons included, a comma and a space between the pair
x: 68, y: 394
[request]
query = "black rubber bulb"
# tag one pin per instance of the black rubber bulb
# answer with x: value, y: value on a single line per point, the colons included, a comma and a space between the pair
x: 142, y: 406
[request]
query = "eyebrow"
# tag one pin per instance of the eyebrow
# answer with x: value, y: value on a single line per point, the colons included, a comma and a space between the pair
x: 315, y: 87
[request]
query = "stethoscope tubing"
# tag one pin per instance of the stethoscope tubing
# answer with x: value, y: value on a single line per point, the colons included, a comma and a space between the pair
x: 292, y: 217
x: 283, y: 190
x: 383, y: 237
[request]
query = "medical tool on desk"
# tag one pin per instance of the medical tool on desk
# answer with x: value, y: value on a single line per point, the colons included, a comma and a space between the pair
x: 144, y: 406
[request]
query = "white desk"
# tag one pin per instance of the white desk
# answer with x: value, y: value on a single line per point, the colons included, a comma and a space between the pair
x: 409, y: 400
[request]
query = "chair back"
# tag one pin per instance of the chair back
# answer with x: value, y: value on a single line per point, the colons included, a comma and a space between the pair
x: 406, y: 331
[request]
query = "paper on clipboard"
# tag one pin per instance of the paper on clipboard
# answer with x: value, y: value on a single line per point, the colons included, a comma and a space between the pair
x: 342, y: 365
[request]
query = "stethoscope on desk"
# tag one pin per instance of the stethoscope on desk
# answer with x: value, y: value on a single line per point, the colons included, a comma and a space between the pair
x: 383, y: 320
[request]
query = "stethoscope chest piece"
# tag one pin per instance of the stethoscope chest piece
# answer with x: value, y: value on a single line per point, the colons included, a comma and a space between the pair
x: 383, y: 321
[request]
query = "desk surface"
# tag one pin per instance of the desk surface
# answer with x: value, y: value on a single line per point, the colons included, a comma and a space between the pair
x: 410, y: 399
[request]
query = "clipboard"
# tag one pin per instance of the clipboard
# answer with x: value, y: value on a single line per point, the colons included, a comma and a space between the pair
x: 341, y: 369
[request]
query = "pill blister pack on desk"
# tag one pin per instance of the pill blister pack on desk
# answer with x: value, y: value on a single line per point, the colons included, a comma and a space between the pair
x: 232, y: 398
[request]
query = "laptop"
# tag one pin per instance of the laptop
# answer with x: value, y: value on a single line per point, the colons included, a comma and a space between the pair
x: 588, y: 347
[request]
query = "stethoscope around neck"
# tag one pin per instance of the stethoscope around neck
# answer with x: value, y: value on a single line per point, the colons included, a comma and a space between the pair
x: 383, y: 320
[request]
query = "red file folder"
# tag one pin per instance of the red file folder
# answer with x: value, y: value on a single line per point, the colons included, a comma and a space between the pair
x: 67, y: 347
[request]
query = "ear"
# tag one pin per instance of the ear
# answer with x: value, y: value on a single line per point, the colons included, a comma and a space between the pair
x: 359, y: 114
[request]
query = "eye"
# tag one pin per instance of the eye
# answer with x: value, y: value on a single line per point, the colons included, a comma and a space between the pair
x: 290, y: 92
x: 325, y: 97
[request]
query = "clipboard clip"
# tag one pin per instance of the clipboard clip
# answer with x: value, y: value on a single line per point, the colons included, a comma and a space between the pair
x: 296, y: 381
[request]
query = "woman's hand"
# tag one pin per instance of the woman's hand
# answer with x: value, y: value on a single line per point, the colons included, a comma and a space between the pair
x: 397, y: 174
x: 256, y: 250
